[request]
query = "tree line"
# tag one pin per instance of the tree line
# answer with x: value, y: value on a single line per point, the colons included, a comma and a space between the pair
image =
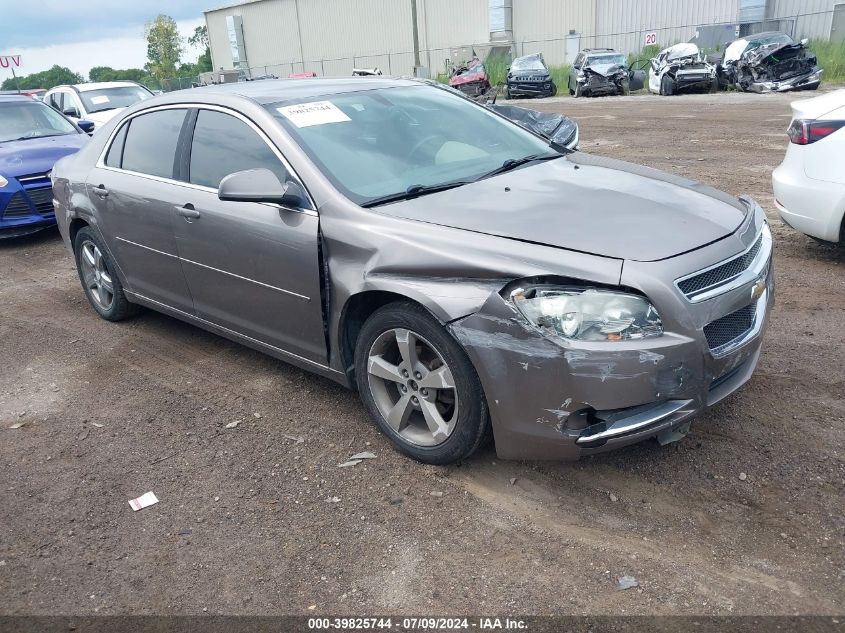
x: 165, y: 47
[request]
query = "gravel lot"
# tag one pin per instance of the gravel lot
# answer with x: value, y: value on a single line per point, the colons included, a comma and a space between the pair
x: 745, y: 516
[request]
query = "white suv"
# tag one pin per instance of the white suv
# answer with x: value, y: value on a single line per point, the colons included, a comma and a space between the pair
x: 95, y: 102
x: 809, y: 185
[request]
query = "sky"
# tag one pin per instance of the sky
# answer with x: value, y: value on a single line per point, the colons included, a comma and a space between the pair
x: 88, y: 33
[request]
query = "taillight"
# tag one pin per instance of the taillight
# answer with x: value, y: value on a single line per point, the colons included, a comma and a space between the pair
x: 803, y: 132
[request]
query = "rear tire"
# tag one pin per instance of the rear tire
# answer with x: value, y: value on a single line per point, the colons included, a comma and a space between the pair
x: 96, y: 273
x: 714, y: 86
x: 410, y: 370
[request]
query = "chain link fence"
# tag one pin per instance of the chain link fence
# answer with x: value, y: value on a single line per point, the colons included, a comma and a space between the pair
x: 440, y: 60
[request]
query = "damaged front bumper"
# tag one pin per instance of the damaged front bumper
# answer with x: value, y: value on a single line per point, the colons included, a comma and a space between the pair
x: 555, y: 399
x: 808, y: 81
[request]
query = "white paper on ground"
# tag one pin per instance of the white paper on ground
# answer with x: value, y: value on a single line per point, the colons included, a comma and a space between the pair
x: 146, y: 499
x: 314, y: 113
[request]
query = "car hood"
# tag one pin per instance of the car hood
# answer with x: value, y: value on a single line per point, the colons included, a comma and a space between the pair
x: 101, y: 117
x: 589, y: 204
x: 604, y: 69
x: 763, y: 54
x: 37, y: 155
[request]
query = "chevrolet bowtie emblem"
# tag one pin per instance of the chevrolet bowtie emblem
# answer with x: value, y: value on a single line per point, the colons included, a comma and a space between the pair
x: 758, y: 289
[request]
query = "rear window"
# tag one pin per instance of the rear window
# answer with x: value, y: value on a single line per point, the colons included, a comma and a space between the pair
x: 150, y: 146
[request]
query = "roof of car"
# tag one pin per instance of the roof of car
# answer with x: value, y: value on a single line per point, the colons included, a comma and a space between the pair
x: 598, y: 50
x: 272, y: 90
x: 97, y: 85
x: 16, y: 97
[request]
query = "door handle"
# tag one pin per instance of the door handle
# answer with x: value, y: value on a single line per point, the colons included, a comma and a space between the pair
x: 101, y: 191
x: 188, y: 212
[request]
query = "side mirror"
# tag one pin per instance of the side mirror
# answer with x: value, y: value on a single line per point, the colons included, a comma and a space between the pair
x: 804, y: 41
x: 86, y: 126
x: 261, y: 185
x: 71, y: 111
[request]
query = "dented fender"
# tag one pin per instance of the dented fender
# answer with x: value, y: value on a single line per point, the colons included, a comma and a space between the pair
x: 451, y: 273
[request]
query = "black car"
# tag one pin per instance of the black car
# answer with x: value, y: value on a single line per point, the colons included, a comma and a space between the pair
x: 603, y: 71
x: 769, y: 62
x: 528, y: 76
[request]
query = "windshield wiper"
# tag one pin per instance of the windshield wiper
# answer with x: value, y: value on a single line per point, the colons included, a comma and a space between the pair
x: 513, y: 163
x: 26, y: 138
x: 414, y: 191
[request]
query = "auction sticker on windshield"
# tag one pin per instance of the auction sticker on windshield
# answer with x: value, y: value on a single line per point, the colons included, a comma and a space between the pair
x: 99, y: 99
x: 315, y: 113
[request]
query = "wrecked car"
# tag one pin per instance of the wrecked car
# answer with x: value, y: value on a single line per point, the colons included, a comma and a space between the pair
x: 558, y: 129
x: 528, y: 76
x: 603, y: 71
x: 470, y: 78
x: 769, y: 62
x: 463, y: 276
x: 681, y: 68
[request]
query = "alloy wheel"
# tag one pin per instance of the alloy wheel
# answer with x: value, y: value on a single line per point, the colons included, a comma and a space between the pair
x: 97, y: 278
x: 413, y: 387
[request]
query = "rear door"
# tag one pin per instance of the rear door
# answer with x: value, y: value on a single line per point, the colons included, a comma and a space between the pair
x: 251, y: 267
x: 135, y: 194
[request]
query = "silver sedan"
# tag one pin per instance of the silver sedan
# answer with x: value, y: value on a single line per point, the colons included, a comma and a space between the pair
x: 466, y: 276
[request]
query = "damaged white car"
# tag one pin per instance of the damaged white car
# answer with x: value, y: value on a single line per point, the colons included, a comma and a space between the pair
x: 681, y: 68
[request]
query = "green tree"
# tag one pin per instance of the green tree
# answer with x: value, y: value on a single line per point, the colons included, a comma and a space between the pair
x: 164, y: 47
x: 200, y: 39
x: 107, y: 73
x: 55, y: 76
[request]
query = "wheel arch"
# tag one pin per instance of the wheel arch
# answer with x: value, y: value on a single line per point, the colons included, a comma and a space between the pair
x: 357, y: 309
x: 76, y: 225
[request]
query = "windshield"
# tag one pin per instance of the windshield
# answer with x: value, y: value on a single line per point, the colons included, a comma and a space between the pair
x: 21, y: 120
x: 111, y: 98
x: 611, y: 58
x: 375, y: 143
x: 527, y: 63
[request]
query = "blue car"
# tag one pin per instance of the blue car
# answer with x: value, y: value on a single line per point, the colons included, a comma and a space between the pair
x: 33, y: 136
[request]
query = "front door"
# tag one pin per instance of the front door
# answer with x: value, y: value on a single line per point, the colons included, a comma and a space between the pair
x: 252, y: 268
x: 135, y: 194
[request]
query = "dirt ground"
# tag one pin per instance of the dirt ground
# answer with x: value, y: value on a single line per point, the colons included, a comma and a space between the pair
x: 248, y: 523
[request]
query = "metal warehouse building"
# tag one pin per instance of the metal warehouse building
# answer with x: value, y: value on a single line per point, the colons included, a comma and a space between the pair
x: 331, y: 37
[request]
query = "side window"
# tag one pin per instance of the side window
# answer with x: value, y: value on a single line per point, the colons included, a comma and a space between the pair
x: 579, y: 59
x: 72, y: 101
x: 150, y: 144
x: 56, y: 100
x: 114, y: 157
x: 224, y: 144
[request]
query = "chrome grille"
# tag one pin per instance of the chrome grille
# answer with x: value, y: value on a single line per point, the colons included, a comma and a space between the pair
x: 722, y: 273
x: 730, y: 327
x: 17, y: 207
x: 44, y: 175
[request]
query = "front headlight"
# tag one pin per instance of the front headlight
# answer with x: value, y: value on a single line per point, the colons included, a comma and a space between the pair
x: 588, y: 314
x: 3, y: 182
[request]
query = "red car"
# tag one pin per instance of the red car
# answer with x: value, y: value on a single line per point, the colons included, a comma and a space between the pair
x: 471, y: 78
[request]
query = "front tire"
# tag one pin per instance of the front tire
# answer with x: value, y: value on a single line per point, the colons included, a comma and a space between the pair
x: 418, y: 385
x: 667, y: 86
x: 96, y: 273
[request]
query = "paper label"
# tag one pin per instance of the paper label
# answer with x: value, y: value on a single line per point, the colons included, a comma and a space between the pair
x: 146, y: 499
x: 315, y: 113
x: 98, y: 99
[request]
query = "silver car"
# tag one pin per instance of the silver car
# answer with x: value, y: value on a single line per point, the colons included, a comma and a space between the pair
x: 464, y: 276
